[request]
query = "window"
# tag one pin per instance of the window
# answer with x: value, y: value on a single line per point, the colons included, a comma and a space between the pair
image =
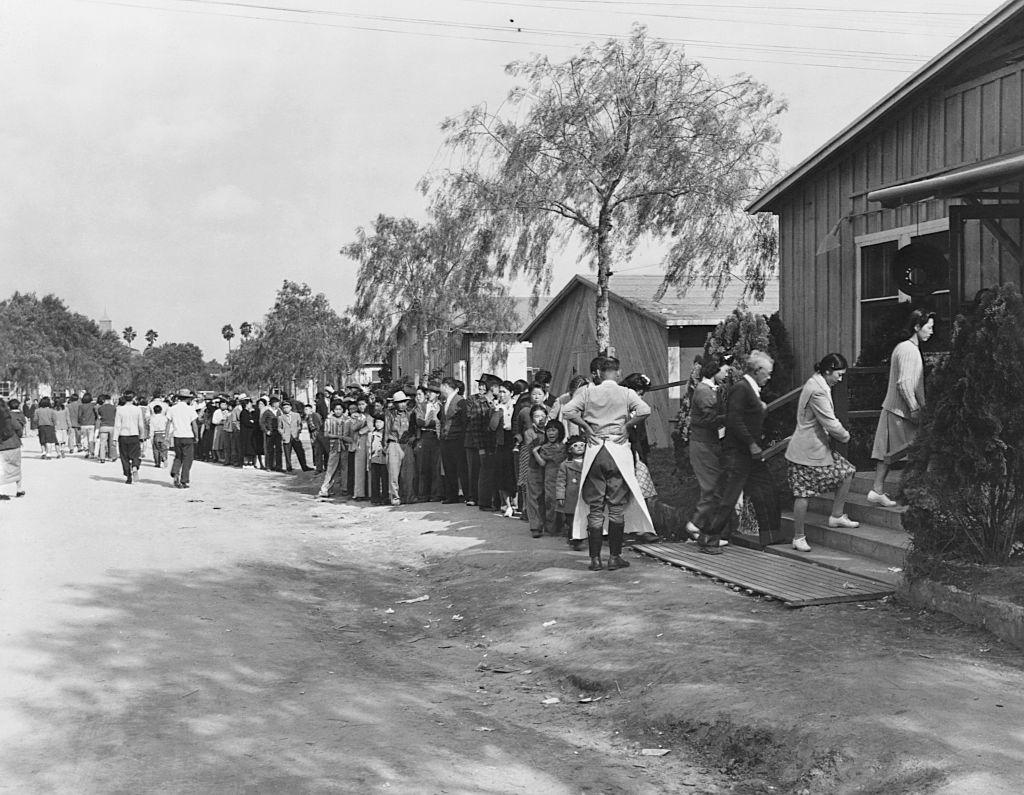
x: 883, y: 308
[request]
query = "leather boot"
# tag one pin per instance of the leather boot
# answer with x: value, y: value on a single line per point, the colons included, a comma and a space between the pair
x: 708, y: 545
x: 617, y: 562
x: 595, y: 564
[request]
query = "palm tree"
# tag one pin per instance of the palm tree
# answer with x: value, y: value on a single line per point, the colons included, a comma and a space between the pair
x: 245, y: 330
x: 129, y: 335
x: 151, y: 337
x: 228, y: 332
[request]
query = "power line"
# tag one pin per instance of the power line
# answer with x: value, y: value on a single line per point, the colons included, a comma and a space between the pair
x: 816, y: 54
x: 760, y: 7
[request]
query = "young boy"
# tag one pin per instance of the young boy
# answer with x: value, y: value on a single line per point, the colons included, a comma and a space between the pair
x: 378, y: 464
x: 567, y: 486
x: 158, y: 429
x: 550, y: 454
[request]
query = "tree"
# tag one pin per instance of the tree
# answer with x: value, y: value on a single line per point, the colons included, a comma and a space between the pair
x: 964, y: 481
x: 129, y: 334
x: 299, y: 339
x: 623, y: 143
x: 228, y: 333
x: 170, y: 366
x: 438, y: 277
x: 245, y: 329
x: 151, y: 337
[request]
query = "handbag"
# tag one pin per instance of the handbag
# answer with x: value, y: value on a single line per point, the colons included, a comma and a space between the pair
x: 643, y: 476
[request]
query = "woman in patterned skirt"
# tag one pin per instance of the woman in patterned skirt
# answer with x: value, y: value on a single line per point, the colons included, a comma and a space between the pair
x: 814, y: 467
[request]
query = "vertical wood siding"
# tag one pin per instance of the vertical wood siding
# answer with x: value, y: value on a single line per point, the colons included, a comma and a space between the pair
x: 951, y: 127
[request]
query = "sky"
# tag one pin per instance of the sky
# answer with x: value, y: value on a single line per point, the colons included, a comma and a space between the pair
x: 169, y: 163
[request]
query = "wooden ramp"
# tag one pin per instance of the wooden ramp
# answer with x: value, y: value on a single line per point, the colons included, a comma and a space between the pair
x: 796, y: 583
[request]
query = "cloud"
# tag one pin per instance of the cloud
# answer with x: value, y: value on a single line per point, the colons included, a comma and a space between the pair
x: 151, y: 134
x: 226, y: 203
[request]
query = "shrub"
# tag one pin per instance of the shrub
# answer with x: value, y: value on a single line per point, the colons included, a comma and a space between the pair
x: 965, y: 476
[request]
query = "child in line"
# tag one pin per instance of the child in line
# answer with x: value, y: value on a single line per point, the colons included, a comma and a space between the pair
x: 158, y: 428
x: 567, y: 487
x: 378, y: 458
x: 533, y: 438
x: 551, y: 454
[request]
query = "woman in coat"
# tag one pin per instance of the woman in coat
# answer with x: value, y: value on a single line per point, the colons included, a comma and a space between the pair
x: 814, y: 467
x: 904, y: 399
x: 502, y: 425
x: 46, y: 420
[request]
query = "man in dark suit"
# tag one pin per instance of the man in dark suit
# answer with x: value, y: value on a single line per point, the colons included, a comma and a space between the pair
x: 453, y: 438
x: 744, y: 471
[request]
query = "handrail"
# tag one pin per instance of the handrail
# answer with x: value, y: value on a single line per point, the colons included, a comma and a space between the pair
x: 668, y: 385
x: 775, y: 449
x: 789, y: 397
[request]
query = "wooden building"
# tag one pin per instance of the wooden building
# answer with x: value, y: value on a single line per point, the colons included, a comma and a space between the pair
x: 939, y: 161
x: 659, y: 338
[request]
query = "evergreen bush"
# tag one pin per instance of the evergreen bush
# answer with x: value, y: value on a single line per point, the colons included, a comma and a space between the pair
x: 965, y: 477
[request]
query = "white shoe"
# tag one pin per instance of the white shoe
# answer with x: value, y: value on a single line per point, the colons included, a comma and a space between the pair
x: 693, y: 531
x: 801, y: 545
x: 881, y: 499
x: 722, y: 542
x: 509, y: 512
x: 842, y: 521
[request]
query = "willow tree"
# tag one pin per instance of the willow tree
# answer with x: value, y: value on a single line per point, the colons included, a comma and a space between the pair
x: 625, y: 143
x: 440, y: 277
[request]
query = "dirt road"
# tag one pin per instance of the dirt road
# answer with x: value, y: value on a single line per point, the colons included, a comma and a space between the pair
x: 241, y: 637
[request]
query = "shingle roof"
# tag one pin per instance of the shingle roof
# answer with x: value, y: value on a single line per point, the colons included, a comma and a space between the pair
x: 694, y: 308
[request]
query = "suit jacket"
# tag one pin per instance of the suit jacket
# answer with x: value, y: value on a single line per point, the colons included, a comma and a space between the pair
x: 289, y: 425
x: 453, y: 420
x: 744, y: 416
x: 815, y: 423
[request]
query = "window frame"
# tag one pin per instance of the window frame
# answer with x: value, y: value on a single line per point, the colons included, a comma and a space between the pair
x: 904, y: 236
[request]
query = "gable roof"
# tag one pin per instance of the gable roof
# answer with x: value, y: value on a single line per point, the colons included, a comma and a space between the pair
x: 694, y: 308
x: 979, y: 42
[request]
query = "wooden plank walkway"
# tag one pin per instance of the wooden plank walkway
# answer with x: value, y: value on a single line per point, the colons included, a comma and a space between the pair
x: 796, y: 583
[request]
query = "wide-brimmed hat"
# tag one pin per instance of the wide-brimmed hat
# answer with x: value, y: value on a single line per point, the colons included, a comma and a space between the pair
x: 488, y: 378
x: 185, y: 393
x: 399, y: 397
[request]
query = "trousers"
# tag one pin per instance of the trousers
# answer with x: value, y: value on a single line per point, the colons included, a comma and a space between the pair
x: 184, y: 452
x: 743, y: 474
x: 705, y: 460
x: 470, y: 485
x: 455, y: 468
x: 535, y: 503
x: 130, y: 450
x: 395, y: 457
x: 604, y: 489
x: 337, y: 469
x: 300, y: 453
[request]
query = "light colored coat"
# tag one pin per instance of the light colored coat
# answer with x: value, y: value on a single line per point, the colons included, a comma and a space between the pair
x: 905, y: 394
x: 816, y: 424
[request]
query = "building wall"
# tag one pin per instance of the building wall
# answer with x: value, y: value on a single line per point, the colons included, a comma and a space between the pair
x: 951, y: 127
x: 447, y: 350
x: 564, y: 343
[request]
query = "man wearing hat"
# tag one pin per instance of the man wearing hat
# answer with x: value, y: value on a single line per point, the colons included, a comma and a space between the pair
x: 184, y: 430
x: 396, y: 432
x: 479, y: 443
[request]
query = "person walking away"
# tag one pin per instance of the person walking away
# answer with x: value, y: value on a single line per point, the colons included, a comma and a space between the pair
x: 315, y: 427
x: 87, y: 424
x: 567, y: 485
x: 477, y: 410
x: 707, y: 429
x: 744, y: 470
x: 549, y: 452
x: 183, y: 425
x: 814, y: 467
x: 61, y: 426
x: 289, y: 425
x: 46, y: 421
x: 361, y: 459
x: 158, y: 428
x: 74, y: 424
x: 334, y: 431
x: 378, y: 464
x: 12, y: 426
x: 271, y: 436
x: 502, y: 425
x: 604, y: 413
x: 396, y: 434
x: 130, y: 430
x: 453, y: 439
x: 904, y: 400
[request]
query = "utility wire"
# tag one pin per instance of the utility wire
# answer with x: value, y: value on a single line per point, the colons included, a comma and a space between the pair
x: 798, y: 52
x: 760, y: 7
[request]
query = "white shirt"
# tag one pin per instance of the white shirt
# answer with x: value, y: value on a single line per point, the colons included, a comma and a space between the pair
x: 158, y: 422
x: 181, y: 416
x: 753, y: 384
x: 129, y: 421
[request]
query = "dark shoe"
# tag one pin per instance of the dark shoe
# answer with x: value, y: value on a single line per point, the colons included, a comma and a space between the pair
x: 5, y: 496
x: 450, y: 502
x: 595, y: 564
x: 617, y: 562
x: 20, y: 494
x: 536, y: 533
x: 307, y: 469
x: 128, y: 480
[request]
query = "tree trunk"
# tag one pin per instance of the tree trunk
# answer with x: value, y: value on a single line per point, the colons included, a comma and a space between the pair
x: 602, y: 324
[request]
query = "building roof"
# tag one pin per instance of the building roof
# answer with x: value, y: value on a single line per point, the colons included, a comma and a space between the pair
x: 696, y: 307
x: 994, y: 41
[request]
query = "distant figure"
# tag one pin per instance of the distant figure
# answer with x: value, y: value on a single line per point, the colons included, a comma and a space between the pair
x: 183, y: 422
x: 158, y: 428
x: 46, y: 422
x: 130, y: 430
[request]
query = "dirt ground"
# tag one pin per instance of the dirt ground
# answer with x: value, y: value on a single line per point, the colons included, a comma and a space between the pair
x: 242, y: 637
